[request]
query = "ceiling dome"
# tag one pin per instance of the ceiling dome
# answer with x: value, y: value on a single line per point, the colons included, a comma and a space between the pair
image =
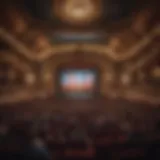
x: 83, y: 11
x: 78, y: 12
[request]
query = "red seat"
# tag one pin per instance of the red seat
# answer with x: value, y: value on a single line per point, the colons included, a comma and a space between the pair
x: 89, y: 152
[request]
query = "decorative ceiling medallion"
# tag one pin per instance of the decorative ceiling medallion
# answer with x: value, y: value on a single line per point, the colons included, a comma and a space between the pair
x: 78, y: 12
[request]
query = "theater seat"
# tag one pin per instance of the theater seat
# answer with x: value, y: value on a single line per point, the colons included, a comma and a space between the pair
x: 83, y: 153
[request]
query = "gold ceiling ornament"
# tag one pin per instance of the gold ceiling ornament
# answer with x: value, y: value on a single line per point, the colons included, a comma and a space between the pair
x: 142, y: 62
x: 135, y: 49
x: 156, y: 72
x: 17, y: 21
x: 102, y: 49
x: 141, y: 22
x: 14, y: 43
x: 79, y: 12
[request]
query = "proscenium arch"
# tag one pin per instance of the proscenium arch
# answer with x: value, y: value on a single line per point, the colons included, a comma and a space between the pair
x: 51, y: 66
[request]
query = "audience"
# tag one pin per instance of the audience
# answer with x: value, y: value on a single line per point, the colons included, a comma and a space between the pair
x: 33, y: 140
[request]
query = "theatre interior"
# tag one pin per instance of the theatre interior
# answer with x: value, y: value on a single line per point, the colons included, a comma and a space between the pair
x: 80, y: 80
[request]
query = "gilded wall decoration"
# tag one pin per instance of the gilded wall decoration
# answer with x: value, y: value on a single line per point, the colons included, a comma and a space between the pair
x: 17, y: 77
x: 13, y: 63
x: 110, y: 49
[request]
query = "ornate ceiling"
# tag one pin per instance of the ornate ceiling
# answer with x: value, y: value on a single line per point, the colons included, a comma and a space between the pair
x: 78, y: 12
x: 128, y: 51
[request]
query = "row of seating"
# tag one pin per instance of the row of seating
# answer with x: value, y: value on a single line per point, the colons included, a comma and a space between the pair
x: 75, y: 139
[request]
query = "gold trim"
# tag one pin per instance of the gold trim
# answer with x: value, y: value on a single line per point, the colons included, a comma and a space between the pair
x: 18, y: 64
x: 16, y: 44
x: 96, y: 48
